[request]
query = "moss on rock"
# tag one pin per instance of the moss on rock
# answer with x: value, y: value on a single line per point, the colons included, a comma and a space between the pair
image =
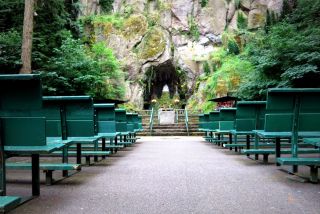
x: 135, y: 25
x: 153, y: 44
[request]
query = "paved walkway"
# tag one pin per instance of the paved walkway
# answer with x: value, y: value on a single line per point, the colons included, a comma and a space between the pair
x: 176, y: 175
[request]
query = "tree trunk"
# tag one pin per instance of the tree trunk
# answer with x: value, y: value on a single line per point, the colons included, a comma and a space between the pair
x: 27, y: 37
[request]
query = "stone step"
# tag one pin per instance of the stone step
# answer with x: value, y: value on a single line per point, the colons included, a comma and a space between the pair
x: 171, y: 134
x: 174, y: 127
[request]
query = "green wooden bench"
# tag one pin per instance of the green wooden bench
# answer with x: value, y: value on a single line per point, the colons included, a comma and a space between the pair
x: 225, y: 125
x: 212, y: 125
x: 75, y: 123
x: 140, y: 125
x: 22, y: 124
x: 121, y: 126
x: 249, y: 117
x: 201, y: 122
x: 105, y: 125
x: 292, y: 114
x: 8, y: 203
x: 132, y: 126
x: 312, y: 141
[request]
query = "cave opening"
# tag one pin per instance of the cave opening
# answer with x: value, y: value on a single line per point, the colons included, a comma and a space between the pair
x: 165, y: 75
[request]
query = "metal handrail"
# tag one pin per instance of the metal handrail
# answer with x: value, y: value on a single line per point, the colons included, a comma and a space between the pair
x: 186, y: 118
x: 151, y: 121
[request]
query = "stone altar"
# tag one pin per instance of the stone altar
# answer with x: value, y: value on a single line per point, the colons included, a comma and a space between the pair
x: 166, y: 116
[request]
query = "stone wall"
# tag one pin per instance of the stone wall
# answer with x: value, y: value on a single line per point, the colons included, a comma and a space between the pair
x: 182, y: 32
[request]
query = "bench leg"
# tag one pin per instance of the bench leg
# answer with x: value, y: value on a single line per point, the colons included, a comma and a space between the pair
x: 88, y: 160
x: 64, y: 160
x: 95, y: 158
x: 278, y: 149
x: 78, y: 153
x: 35, y: 175
x: 49, y: 179
x: 103, y: 147
x: 313, y: 174
x: 219, y: 138
x: 248, y: 143
x: 230, y: 141
x: 265, y: 158
x: 116, y: 143
x: 294, y: 168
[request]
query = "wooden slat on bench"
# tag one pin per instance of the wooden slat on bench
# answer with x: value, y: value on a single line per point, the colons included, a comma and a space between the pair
x: 299, y: 161
x: 7, y: 203
x: 44, y: 166
x: 85, y: 153
x: 312, y: 141
x: 283, y: 151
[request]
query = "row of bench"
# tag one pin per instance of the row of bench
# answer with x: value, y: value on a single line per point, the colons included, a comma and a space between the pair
x: 288, y: 122
x: 62, y: 126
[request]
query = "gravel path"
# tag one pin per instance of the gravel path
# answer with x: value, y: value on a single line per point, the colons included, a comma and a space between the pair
x: 173, y: 175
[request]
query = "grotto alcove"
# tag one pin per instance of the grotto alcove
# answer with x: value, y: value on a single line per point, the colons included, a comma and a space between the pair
x: 159, y: 76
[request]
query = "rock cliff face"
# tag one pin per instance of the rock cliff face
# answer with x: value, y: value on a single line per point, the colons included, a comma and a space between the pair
x: 164, y: 42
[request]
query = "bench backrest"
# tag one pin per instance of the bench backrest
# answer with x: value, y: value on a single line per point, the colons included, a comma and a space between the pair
x: 130, y: 122
x: 286, y: 107
x: 55, y: 125
x: 21, y: 110
x: 105, y: 118
x: 23, y: 131
x: 214, y: 118
x: 250, y: 115
x: 20, y: 95
x: 76, y: 115
x: 121, y: 120
x: 80, y: 117
x: 201, y: 121
x: 206, y: 121
x: 140, y: 122
x: 227, y: 118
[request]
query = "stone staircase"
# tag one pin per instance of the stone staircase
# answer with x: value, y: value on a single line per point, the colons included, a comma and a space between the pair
x: 178, y: 129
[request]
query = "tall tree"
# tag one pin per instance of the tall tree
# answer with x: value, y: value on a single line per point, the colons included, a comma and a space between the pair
x: 27, y: 36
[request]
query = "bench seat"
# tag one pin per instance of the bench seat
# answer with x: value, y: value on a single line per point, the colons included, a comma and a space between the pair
x: 313, y: 163
x: 7, y: 203
x: 108, y: 146
x: 84, y: 139
x: 312, y: 141
x: 125, y: 143
x: 43, y: 166
x: 252, y: 145
x: 33, y: 149
x: 262, y: 133
x: 283, y: 151
x: 235, y: 132
x: 85, y: 153
x: 48, y: 168
x: 109, y: 135
x: 299, y: 161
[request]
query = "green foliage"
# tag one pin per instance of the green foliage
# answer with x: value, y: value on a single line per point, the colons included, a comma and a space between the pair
x: 230, y: 71
x: 233, y: 47
x: 116, y: 20
x: 10, y: 49
x: 130, y: 107
x: 204, y: 3
x: 153, y: 43
x: 242, y: 21
x: 166, y: 102
x: 237, y: 3
x: 206, y: 68
x: 288, y: 55
x: 106, y: 5
x: 76, y: 70
x: 193, y: 29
